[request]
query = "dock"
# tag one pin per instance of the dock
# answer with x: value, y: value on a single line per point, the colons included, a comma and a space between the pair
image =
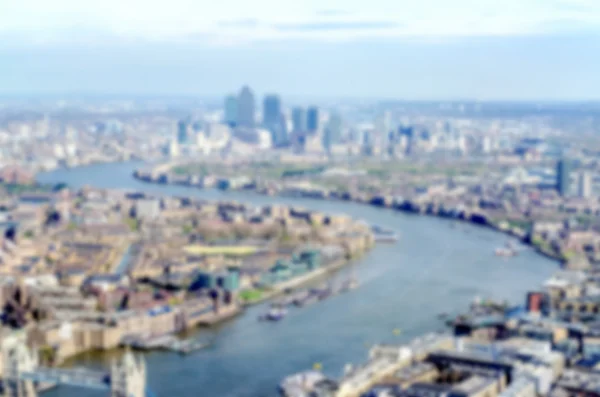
x: 188, y: 346
x: 165, y: 342
x: 150, y: 342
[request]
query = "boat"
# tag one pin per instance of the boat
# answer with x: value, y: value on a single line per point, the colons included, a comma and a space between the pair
x: 350, y: 285
x: 383, y: 235
x: 301, y: 384
x: 188, y: 346
x: 308, y: 300
x: 323, y: 292
x: 274, y: 314
x: 506, y: 252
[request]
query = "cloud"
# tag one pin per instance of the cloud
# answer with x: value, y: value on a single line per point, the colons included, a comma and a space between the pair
x: 235, y: 21
x: 332, y: 13
x: 338, y: 25
x: 240, y: 23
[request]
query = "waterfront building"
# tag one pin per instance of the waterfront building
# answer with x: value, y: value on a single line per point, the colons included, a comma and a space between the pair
x: 312, y: 119
x: 231, y: 111
x: 584, y: 185
x: 245, y: 108
x: 563, y: 176
x: 299, y: 120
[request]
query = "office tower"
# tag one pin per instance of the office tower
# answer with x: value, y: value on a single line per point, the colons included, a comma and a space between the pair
x: 245, y: 108
x: 183, y: 132
x: 231, y: 110
x: 584, y: 185
x: 407, y: 135
x: 383, y: 123
x: 299, y: 120
x: 563, y: 177
x: 486, y: 144
x: 271, y: 110
x: 312, y: 119
x: 333, y: 131
x: 279, y: 132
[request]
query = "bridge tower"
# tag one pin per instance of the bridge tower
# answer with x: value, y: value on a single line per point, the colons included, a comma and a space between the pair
x: 16, y: 360
x: 128, y: 377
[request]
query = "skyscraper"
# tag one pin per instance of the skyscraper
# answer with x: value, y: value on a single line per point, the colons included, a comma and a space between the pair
x: 299, y: 120
x: 312, y: 119
x: 245, y: 108
x: 271, y: 110
x: 183, y: 132
x: 333, y: 131
x: 231, y: 110
x: 563, y: 176
x: 279, y: 132
x: 584, y: 185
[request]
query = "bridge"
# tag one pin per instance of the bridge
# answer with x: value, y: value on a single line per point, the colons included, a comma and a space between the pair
x: 21, y: 374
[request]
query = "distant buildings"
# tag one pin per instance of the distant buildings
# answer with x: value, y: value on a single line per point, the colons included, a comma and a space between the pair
x: 299, y: 120
x: 563, y: 176
x: 271, y: 110
x: 183, y: 132
x: 584, y: 185
x: 231, y: 110
x: 245, y: 108
x: 312, y: 119
x: 274, y: 121
x: 333, y: 132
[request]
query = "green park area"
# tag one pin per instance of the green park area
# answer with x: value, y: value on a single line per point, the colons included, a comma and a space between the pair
x: 227, y: 250
x: 251, y: 295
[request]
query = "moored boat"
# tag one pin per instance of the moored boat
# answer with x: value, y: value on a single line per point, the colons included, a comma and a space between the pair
x: 274, y: 314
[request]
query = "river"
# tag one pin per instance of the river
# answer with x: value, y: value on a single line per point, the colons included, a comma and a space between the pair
x: 433, y: 268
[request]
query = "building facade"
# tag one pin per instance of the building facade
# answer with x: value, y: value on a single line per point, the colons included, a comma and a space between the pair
x: 312, y: 119
x: 563, y: 177
x: 245, y: 108
x: 231, y: 110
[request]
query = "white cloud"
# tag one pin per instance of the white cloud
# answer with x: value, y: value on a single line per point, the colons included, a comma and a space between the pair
x: 176, y: 19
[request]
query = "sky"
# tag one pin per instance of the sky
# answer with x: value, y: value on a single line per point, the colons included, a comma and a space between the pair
x: 393, y: 49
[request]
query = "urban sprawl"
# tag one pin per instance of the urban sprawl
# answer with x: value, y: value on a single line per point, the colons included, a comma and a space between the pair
x: 99, y: 269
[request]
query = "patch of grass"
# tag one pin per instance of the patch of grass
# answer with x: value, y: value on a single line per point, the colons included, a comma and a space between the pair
x: 251, y: 295
x: 134, y: 224
x: 521, y: 224
x: 234, y: 250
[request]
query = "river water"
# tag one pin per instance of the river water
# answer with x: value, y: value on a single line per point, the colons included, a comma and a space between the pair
x: 433, y: 268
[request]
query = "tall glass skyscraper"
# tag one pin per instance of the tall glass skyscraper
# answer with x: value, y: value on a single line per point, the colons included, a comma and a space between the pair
x: 183, y: 132
x: 245, y: 108
x: 299, y: 119
x: 231, y: 110
x: 271, y: 110
x: 312, y: 119
x: 563, y: 176
x: 333, y: 131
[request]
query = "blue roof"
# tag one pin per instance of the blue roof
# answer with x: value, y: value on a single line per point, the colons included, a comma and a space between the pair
x: 590, y: 361
x: 157, y: 311
x: 515, y: 312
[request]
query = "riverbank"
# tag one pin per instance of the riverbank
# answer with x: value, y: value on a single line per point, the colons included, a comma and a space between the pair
x: 300, y: 281
x: 451, y: 265
x: 162, y: 177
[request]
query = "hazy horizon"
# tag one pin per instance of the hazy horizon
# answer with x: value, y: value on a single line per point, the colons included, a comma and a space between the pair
x: 391, y: 50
